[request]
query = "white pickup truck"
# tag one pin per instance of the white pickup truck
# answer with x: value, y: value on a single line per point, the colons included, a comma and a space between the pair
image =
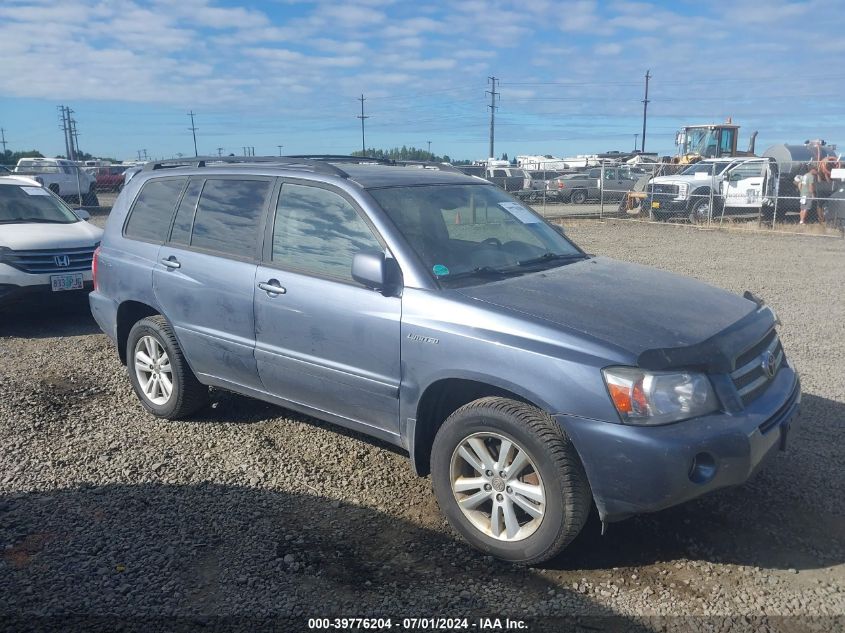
x: 63, y: 177
x: 705, y: 189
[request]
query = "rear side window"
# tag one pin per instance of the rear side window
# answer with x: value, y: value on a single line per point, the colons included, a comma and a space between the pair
x: 181, y: 233
x: 153, y: 209
x: 228, y: 216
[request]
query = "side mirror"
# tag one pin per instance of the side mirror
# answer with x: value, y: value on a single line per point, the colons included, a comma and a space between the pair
x: 82, y: 214
x: 373, y: 270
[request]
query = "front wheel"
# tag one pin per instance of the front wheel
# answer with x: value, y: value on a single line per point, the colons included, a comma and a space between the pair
x: 578, y: 197
x: 509, y: 480
x: 700, y: 212
x: 159, y: 374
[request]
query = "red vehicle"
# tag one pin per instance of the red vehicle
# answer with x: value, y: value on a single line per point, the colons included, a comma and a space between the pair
x: 109, y: 178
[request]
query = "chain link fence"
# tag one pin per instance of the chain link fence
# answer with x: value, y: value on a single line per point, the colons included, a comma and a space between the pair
x: 752, y: 192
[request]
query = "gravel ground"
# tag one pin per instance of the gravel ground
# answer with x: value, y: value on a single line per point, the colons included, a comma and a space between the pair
x: 251, y: 511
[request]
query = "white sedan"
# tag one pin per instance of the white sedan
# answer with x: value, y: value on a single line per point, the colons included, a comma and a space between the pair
x: 45, y: 247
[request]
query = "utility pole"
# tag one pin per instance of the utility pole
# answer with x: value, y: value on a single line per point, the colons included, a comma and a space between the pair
x: 193, y: 129
x: 74, y: 135
x: 280, y: 149
x: 493, y: 94
x: 3, y: 139
x: 636, y: 136
x: 139, y: 154
x: 145, y: 155
x: 362, y: 117
x: 645, y: 108
x: 429, y: 147
x: 220, y: 151
x: 64, y: 131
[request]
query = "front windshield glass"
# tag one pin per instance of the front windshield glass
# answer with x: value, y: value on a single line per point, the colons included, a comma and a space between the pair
x: 474, y: 232
x: 19, y: 204
x: 705, y: 168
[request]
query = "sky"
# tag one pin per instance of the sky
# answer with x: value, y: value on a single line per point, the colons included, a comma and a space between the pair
x: 290, y: 72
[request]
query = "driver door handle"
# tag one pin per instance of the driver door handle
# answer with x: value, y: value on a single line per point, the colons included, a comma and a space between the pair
x: 272, y: 287
x: 171, y: 262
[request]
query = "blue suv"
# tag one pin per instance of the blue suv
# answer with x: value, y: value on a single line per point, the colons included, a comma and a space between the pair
x: 434, y: 311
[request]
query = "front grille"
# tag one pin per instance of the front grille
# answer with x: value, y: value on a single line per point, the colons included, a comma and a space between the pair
x: 750, y: 376
x: 664, y: 189
x: 47, y: 261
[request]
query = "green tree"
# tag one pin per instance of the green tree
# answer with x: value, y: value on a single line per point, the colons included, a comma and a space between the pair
x: 11, y: 158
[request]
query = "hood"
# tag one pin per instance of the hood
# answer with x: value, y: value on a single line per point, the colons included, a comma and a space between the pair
x: 634, y: 308
x: 672, y: 180
x: 26, y: 237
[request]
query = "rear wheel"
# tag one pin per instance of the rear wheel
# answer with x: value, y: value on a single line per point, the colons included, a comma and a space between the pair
x: 159, y: 374
x: 508, y: 479
x: 579, y: 196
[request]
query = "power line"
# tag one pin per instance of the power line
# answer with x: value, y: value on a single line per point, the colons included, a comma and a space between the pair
x: 362, y: 117
x: 193, y: 129
x: 493, y: 94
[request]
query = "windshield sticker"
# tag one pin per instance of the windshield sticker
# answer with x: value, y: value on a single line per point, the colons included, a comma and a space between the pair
x: 520, y: 212
x: 702, y: 175
x: 35, y: 191
x: 440, y: 270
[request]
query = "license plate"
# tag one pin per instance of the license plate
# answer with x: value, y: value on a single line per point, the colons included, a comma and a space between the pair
x: 70, y: 281
x: 655, y: 205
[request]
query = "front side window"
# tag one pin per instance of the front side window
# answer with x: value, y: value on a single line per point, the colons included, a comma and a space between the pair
x: 464, y: 231
x: 21, y: 204
x: 317, y: 231
x: 150, y: 217
x: 229, y: 214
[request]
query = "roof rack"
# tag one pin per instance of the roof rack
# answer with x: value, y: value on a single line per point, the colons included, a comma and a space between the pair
x: 321, y: 166
x: 427, y: 164
x: 342, y: 158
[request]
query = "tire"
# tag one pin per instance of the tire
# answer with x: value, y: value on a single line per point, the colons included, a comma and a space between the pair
x: 579, y: 196
x: 551, y: 470
x: 187, y: 394
x: 700, y: 211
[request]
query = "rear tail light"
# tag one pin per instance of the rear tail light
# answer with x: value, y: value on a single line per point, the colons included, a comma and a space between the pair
x: 94, y: 265
x: 560, y: 185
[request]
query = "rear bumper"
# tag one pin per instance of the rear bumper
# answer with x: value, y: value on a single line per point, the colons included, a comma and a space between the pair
x: 104, y: 311
x: 636, y: 469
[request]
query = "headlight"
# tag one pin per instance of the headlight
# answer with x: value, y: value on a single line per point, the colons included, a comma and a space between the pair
x: 683, y: 191
x: 645, y: 397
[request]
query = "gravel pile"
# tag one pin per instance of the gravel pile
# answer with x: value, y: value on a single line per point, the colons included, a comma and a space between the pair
x: 250, y: 511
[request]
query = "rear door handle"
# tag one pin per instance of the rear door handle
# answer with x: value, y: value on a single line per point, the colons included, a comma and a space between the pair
x: 272, y: 287
x: 171, y: 262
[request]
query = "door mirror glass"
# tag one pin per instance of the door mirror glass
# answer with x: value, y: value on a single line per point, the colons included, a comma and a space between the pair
x: 82, y: 214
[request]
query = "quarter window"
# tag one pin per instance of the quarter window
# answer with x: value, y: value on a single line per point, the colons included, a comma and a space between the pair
x: 317, y: 231
x: 153, y: 209
x: 228, y: 216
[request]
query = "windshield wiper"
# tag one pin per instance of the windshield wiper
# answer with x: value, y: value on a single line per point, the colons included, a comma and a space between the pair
x: 481, y: 271
x: 550, y: 257
x: 32, y: 221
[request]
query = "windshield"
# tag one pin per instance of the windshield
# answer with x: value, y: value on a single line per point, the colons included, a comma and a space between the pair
x: 20, y: 204
x: 704, y: 168
x: 474, y: 232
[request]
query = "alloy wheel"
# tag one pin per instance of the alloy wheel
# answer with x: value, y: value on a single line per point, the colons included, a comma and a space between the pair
x: 153, y: 370
x: 497, y: 487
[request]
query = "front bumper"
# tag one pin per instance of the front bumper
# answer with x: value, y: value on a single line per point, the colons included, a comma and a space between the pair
x: 639, y: 469
x: 17, y: 286
x: 669, y: 205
